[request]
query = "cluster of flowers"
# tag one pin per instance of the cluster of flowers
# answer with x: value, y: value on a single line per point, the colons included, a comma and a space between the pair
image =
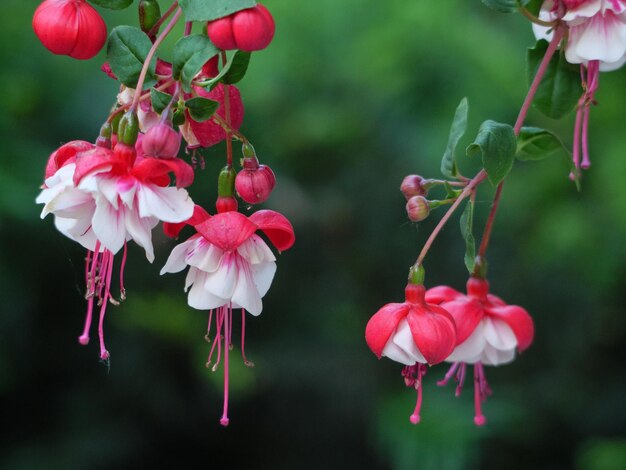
x: 106, y: 194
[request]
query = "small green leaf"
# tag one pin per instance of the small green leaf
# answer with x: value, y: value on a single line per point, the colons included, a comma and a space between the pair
x: 127, y: 50
x: 533, y: 6
x: 503, y: 6
x: 450, y: 191
x: 190, y: 54
x: 112, y: 4
x: 201, y: 109
x: 560, y: 87
x: 457, y: 130
x: 467, y: 223
x: 203, y: 10
x: 496, y: 143
x: 238, y: 68
x: 159, y: 100
x: 534, y: 143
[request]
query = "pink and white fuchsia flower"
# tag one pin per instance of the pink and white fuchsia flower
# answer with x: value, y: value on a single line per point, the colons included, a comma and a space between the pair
x: 230, y: 267
x: 489, y: 332
x: 413, y: 333
x: 103, y: 198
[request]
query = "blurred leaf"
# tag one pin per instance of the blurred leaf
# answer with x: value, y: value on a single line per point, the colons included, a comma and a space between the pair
x: 467, y: 223
x: 190, y: 54
x: 560, y: 87
x: 534, y: 143
x: 496, y: 144
x: 201, y: 109
x: 238, y: 67
x: 127, y: 51
x: 503, y: 6
x: 533, y: 6
x: 457, y: 130
x: 202, y: 10
x: 159, y: 100
x: 112, y: 4
x: 602, y: 454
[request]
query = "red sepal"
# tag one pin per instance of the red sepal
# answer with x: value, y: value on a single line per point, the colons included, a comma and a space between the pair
x: 382, y: 325
x: 64, y: 155
x: 96, y: 160
x: 518, y: 320
x: 227, y: 230
x: 440, y: 294
x: 277, y: 228
x: 153, y: 170
x: 467, y: 314
x: 433, y: 331
x: 173, y: 229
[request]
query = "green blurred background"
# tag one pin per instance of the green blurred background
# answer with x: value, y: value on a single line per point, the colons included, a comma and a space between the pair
x: 351, y: 96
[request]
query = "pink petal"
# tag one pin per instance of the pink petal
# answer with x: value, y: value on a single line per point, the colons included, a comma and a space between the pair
x: 152, y: 170
x: 382, y: 325
x: 277, y: 228
x: 227, y: 230
x: 64, y: 155
x: 439, y: 294
x: 467, y: 314
x: 96, y: 160
x: 433, y: 331
x: 518, y: 320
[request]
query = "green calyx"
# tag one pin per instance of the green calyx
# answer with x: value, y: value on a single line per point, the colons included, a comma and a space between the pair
x: 248, y: 150
x: 106, y: 130
x: 417, y: 275
x: 149, y: 14
x: 480, y: 268
x: 226, y: 182
x: 128, y: 129
x: 115, y: 123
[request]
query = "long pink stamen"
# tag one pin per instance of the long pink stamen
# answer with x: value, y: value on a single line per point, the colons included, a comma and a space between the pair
x: 449, y: 374
x: 102, y: 274
x: 479, y: 418
x: 460, y: 377
x: 89, y: 292
x: 228, y: 323
x: 217, y: 342
x: 108, y: 260
x: 415, y: 417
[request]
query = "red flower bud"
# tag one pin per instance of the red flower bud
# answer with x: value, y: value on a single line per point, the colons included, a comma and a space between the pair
x: 412, y: 186
x: 255, y: 182
x: 226, y: 204
x: 249, y: 30
x: 161, y: 141
x: 417, y: 208
x: 70, y: 27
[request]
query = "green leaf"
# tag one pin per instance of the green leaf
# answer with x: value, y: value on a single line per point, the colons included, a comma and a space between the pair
x: 533, y: 6
x: 127, y: 51
x: 201, y: 109
x: 450, y: 191
x: 503, y: 6
x: 534, y: 144
x: 467, y: 223
x: 560, y: 87
x: 112, y: 4
x: 190, y: 54
x: 457, y: 130
x: 238, y: 68
x: 203, y: 10
x: 496, y: 143
x: 159, y: 100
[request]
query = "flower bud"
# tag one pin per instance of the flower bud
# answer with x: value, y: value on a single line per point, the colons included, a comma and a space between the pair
x: 248, y: 30
x: 226, y: 182
x: 104, y: 138
x: 226, y: 204
x: 255, y: 182
x: 161, y: 141
x: 128, y: 129
x: 149, y: 14
x: 417, y: 208
x: 70, y: 27
x: 412, y: 186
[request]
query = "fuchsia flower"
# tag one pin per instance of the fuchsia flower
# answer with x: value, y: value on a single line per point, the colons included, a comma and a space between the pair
x: 489, y: 332
x: 413, y: 333
x: 249, y: 30
x: 597, y: 41
x: 103, y: 198
x: 230, y: 267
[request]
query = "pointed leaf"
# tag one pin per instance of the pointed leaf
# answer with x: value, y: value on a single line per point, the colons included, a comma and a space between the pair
x: 113, y: 4
x: 467, y: 223
x: 382, y: 325
x: 503, y: 6
x: 127, y: 51
x: 457, y: 130
x: 227, y: 230
x: 238, y: 68
x: 277, y: 228
x: 159, y: 100
x: 190, y: 54
x: 203, y: 10
x: 496, y: 144
x: 201, y: 109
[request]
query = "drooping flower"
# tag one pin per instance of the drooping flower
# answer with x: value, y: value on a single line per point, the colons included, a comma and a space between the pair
x: 230, y: 267
x: 489, y: 332
x: 70, y: 27
x: 413, y: 333
x: 103, y: 198
x: 248, y: 30
x: 597, y: 41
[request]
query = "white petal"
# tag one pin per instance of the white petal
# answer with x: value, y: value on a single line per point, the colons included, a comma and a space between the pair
x: 202, y: 299
x: 401, y: 346
x: 586, y: 10
x: 470, y: 350
x: 72, y: 203
x: 109, y: 225
x: 600, y: 38
x: 205, y: 256
x: 263, y: 274
x: 222, y: 282
x: 495, y: 357
x: 191, y: 277
x: 78, y: 230
x: 255, y: 250
x: 499, y: 335
x: 176, y: 261
x: 108, y: 188
x: 167, y: 204
x: 246, y: 294
x: 140, y: 230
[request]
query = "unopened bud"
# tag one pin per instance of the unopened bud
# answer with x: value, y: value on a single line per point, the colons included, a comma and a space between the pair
x: 226, y: 204
x: 161, y: 141
x: 226, y: 182
x: 104, y: 139
x: 412, y: 186
x: 255, y: 182
x: 417, y: 208
x: 149, y: 14
x: 128, y: 129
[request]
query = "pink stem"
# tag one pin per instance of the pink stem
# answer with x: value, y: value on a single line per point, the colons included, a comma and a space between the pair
x: 104, y: 354
x: 228, y: 322
x: 479, y: 418
x: 448, y: 375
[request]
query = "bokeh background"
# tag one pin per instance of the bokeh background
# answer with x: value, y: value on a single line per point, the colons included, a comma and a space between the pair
x: 351, y: 96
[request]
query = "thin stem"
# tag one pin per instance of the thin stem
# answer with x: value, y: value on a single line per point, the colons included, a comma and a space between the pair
x: 530, y: 96
x: 229, y: 142
x: 153, y: 49
x: 235, y: 133
x: 143, y: 97
x: 534, y: 19
x: 164, y: 17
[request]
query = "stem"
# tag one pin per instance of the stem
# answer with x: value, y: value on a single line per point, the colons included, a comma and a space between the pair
x: 475, y: 181
x: 534, y: 19
x: 532, y: 91
x: 235, y: 133
x: 153, y: 49
x: 164, y: 17
x: 229, y: 143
